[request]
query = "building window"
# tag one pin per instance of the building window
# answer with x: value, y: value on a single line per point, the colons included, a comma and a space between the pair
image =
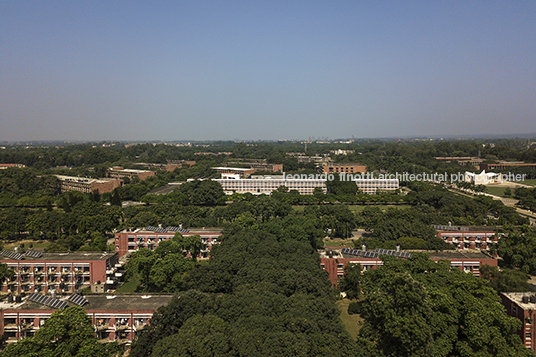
x: 527, y: 336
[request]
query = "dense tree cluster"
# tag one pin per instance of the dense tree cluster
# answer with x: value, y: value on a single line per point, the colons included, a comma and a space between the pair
x: 165, y: 268
x: 505, y: 280
x: 256, y: 296
x: 418, y: 307
x: 526, y: 197
x: 517, y: 248
x: 80, y: 219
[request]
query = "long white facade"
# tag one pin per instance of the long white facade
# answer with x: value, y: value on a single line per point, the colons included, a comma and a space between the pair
x: 267, y: 185
x: 305, y: 186
x: 374, y: 185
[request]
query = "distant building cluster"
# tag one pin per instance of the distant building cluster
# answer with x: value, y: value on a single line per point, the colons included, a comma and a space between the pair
x: 7, y: 166
x: 341, y: 152
x: 478, y: 162
x: 226, y: 153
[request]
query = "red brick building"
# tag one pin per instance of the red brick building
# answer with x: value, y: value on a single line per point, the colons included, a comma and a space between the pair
x: 334, y: 259
x: 63, y: 272
x: 87, y: 184
x: 523, y: 306
x: 117, y: 317
x: 347, y: 168
x: 131, y: 240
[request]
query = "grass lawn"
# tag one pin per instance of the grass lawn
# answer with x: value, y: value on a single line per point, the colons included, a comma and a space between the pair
x: 337, y: 242
x: 498, y: 191
x: 529, y: 182
x: 37, y: 244
x: 351, y: 323
x: 130, y: 286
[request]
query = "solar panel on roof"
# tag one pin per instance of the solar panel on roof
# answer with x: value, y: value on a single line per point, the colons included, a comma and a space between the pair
x: 46, y: 300
x: 78, y: 299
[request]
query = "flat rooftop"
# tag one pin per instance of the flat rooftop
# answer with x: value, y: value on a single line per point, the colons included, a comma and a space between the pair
x: 232, y: 168
x: 111, y: 302
x: 518, y: 299
x: 444, y: 255
x: 163, y: 230
x: 457, y: 255
x: 67, y: 256
x: 134, y: 171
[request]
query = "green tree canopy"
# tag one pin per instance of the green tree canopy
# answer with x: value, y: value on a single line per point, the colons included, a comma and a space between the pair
x: 68, y: 332
x: 418, y: 307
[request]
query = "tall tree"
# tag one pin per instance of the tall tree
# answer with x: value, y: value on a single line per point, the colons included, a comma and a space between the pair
x: 68, y: 332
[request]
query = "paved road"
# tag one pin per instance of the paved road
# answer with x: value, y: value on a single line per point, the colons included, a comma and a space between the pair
x: 510, y: 202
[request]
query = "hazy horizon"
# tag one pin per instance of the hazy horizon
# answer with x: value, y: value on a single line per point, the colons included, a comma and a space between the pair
x: 265, y: 70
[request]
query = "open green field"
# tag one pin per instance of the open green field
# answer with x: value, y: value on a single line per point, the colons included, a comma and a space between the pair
x: 37, y: 244
x: 498, y: 191
x: 351, y: 323
x: 529, y: 182
x: 130, y: 286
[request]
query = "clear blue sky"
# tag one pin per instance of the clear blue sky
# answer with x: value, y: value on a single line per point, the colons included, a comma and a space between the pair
x: 207, y: 70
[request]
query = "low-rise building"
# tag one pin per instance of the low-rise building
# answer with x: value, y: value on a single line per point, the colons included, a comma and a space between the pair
x: 131, y: 240
x: 373, y: 185
x: 117, y: 317
x: 462, y: 160
x: 347, y: 168
x: 241, y: 172
x: 60, y: 271
x: 523, y: 305
x: 87, y: 184
x: 466, y: 240
x: 170, y: 166
x: 257, y: 165
x: 7, y: 166
x: 118, y: 172
x: 267, y: 184
x: 334, y: 259
x: 503, y: 165
x: 304, y: 184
